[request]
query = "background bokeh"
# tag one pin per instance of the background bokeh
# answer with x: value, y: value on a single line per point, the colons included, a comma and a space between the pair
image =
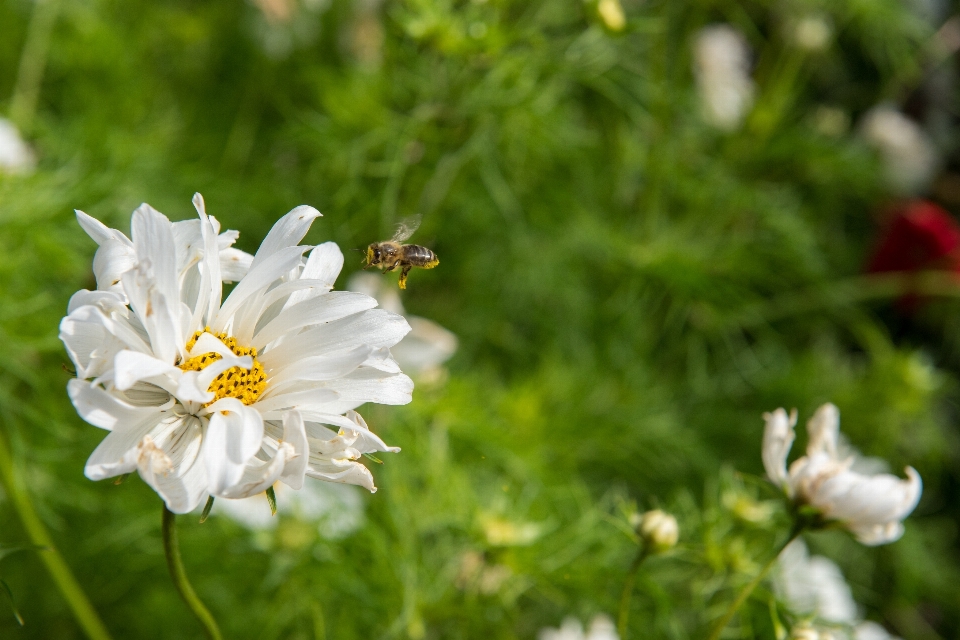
x: 632, y: 283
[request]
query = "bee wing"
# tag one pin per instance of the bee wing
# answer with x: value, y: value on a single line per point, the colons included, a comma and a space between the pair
x: 406, y: 228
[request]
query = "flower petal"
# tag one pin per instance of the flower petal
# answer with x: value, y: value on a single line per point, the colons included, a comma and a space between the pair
x: 778, y: 436
x: 103, y: 409
x: 233, y: 436
x: 288, y: 231
x: 295, y: 435
x: 169, y: 461
x: 316, y: 311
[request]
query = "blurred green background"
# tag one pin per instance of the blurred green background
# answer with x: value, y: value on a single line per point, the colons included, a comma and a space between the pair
x: 632, y: 286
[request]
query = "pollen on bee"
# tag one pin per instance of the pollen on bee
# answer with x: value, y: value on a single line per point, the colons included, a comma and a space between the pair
x: 245, y: 385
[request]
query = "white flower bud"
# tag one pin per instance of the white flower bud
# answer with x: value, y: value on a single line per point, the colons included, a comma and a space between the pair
x: 660, y: 530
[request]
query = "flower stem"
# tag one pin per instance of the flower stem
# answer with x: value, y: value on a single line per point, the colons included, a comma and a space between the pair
x: 56, y: 566
x: 33, y: 60
x: 748, y: 589
x: 642, y: 554
x: 171, y: 546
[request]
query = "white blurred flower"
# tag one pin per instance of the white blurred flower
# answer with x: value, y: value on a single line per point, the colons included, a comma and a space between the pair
x: 204, y: 396
x: 659, y: 529
x: 426, y: 347
x: 812, y: 32
x: 814, y: 585
x: 601, y: 628
x: 722, y: 69
x: 870, y: 506
x: 337, y: 509
x: 15, y: 155
x: 909, y: 156
x: 868, y: 630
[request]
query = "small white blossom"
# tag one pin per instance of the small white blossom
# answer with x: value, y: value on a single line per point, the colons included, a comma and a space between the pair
x: 336, y: 509
x: 814, y: 585
x: 870, y: 506
x: 16, y: 157
x: 601, y: 628
x: 868, y: 630
x: 812, y: 32
x: 910, y: 158
x: 722, y: 70
x: 225, y: 397
x: 659, y: 529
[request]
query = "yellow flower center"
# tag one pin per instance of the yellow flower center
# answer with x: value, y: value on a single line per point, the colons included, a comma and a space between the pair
x: 236, y: 382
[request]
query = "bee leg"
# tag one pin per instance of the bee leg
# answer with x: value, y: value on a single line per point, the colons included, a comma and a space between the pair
x: 403, y: 278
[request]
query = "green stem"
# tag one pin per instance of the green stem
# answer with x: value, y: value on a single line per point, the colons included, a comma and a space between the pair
x: 748, y: 589
x: 642, y: 554
x: 33, y: 60
x: 56, y: 566
x: 171, y: 546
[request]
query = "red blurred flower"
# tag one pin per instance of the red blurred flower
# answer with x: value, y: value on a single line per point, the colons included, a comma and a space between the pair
x: 922, y: 236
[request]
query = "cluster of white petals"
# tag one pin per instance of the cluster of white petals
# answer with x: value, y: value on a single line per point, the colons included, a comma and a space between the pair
x: 870, y: 506
x: 722, y: 68
x: 16, y: 157
x: 910, y: 157
x: 205, y: 396
x: 814, y: 586
x: 601, y: 628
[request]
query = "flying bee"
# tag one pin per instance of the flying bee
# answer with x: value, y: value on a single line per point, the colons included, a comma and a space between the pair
x: 392, y: 254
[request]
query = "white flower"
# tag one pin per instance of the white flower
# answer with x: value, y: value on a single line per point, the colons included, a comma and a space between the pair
x: 722, y: 69
x: 601, y: 628
x: 870, y: 506
x: 204, y: 396
x: 336, y: 509
x: 868, y: 630
x: 812, y: 32
x: 426, y: 347
x: 910, y: 158
x: 659, y: 529
x: 814, y: 585
x: 15, y: 155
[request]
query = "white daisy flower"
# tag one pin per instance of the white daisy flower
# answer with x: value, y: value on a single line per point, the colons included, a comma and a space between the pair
x: 721, y: 59
x: 870, y: 506
x: 205, y: 396
x: 814, y: 585
x: 16, y: 156
x: 910, y: 157
x: 601, y: 628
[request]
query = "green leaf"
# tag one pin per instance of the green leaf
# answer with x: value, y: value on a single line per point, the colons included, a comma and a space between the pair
x: 6, y: 589
x: 272, y: 499
x: 206, y: 510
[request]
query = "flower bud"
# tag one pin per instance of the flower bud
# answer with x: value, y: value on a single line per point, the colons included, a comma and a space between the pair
x: 659, y: 530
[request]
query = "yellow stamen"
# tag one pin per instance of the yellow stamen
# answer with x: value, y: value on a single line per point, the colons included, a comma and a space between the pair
x: 242, y: 384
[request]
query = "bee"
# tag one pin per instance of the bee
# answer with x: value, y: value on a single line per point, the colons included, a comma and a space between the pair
x: 392, y: 254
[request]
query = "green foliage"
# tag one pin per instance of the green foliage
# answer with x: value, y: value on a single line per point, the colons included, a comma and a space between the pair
x: 631, y: 289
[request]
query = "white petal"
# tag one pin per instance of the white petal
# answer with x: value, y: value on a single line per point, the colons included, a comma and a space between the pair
x: 260, y: 276
x: 131, y: 367
x: 323, y: 264
x: 103, y: 409
x: 327, y: 367
x: 106, y: 301
x: 367, y: 385
x: 259, y: 477
x: 169, y: 461
x: 824, y: 430
x: 118, y: 452
x: 111, y: 261
x: 232, y: 438
x: 287, y: 232
x: 316, y: 311
x: 374, y: 328
x: 98, y: 231
x: 90, y: 346
x: 297, y: 400
x: 342, y: 471
x: 778, y: 436
x: 153, y: 239
x: 295, y: 435
x: 160, y: 321
x: 234, y: 264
